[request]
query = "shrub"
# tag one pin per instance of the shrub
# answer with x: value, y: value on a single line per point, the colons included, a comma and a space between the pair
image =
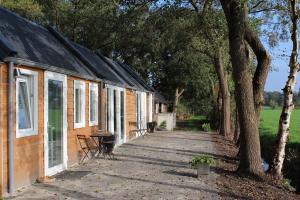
x: 202, y: 159
x: 163, y: 125
x: 206, y: 127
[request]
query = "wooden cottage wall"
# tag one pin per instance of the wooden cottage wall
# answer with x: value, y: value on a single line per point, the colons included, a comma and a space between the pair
x: 102, y: 99
x: 28, y: 151
x: 130, y: 113
x: 3, y: 124
x: 74, y: 153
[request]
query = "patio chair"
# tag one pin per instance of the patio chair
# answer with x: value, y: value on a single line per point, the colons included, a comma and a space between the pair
x: 87, y: 146
x: 108, y: 143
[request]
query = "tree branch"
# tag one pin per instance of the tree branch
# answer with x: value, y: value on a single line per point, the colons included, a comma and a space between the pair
x: 181, y: 92
x: 262, y: 69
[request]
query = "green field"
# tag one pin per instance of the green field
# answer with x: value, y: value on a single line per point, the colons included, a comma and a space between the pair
x: 269, y: 124
x: 268, y: 131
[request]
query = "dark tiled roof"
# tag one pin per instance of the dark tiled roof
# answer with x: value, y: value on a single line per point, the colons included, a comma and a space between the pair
x: 35, y: 43
x: 158, y: 98
x: 98, y: 65
x: 136, y: 76
x: 122, y: 73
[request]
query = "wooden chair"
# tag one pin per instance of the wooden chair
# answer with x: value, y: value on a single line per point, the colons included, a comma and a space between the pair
x: 108, y: 144
x: 87, y: 146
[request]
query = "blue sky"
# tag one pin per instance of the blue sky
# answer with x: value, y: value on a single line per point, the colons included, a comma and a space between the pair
x: 280, y: 69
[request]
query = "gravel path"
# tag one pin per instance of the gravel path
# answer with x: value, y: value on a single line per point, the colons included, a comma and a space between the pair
x: 151, y: 167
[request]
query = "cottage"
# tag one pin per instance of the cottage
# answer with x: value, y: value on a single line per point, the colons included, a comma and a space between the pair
x: 51, y: 90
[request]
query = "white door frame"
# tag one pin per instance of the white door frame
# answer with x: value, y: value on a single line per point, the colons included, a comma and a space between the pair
x: 118, y: 113
x: 63, y: 166
x: 150, y: 108
x: 119, y: 90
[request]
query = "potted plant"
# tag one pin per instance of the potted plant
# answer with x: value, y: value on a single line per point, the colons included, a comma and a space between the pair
x: 202, y: 163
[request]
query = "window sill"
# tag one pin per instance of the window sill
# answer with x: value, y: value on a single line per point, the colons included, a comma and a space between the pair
x: 21, y: 134
x: 93, y: 123
x: 79, y: 125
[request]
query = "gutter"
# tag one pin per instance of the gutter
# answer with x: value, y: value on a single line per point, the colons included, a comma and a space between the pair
x: 21, y: 61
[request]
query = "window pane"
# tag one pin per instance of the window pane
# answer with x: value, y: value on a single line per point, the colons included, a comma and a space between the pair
x: 122, y: 113
x: 24, y: 106
x: 92, y: 105
x: 107, y: 109
x: 115, y: 111
x: 78, y: 105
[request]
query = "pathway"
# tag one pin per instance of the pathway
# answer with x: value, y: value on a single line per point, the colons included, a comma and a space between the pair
x: 151, y: 167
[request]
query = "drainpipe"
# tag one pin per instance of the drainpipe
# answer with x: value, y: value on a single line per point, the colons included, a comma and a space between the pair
x: 100, y: 109
x: 11, y: 135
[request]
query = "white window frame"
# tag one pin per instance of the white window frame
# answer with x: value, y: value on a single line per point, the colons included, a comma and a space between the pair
x: 93, y: 87
x: 78, y: 84
x: 33, y: 92
x: 150, y: 108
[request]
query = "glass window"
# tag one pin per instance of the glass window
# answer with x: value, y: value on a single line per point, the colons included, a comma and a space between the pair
x: 24, y: 106
x: 26, y: 103
x: 79, y: 104
x: 93, y: 104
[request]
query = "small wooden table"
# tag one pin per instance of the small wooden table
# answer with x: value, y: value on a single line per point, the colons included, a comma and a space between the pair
x: 105, y: 144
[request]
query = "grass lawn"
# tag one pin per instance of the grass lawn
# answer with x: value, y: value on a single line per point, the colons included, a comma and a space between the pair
x: 198, y: 117
x: 194, y: 123
x: 268, y: 132
x: 270, y: 119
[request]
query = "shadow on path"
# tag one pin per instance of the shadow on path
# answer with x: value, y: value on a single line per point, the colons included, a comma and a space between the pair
x: 176, y: 185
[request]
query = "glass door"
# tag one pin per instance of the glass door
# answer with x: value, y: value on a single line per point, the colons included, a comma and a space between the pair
x: 55, y: 123
x: 122, y: 115
x: 55, y: 112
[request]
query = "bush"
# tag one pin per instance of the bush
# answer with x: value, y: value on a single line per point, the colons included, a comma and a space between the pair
x: 202, y: 159
x: 206, y: 127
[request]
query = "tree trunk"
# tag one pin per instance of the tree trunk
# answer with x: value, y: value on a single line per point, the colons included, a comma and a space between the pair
x: 176, y: 99
x: 237, y: 129
x: 225, y: 119
x: 261, y: 72
x: 288, y: 106
x: 250, y: 157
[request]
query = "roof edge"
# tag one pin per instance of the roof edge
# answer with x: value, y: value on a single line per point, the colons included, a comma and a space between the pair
x: 49, y: 68
x: 136, y: 76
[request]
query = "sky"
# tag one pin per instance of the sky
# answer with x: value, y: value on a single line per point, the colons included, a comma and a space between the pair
x: 280, y: 60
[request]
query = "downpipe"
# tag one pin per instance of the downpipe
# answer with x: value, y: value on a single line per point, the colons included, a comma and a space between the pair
x: 11, y: 135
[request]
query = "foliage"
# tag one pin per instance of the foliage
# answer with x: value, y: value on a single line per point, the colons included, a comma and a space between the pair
x: 163, y: 125
x: 202, y: 159
x: 164, y: 41
x: 29, y: 9
x: 206, y: 127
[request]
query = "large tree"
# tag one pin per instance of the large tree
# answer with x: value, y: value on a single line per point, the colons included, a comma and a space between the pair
x: 249, y: 88
x: 288, y: 104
